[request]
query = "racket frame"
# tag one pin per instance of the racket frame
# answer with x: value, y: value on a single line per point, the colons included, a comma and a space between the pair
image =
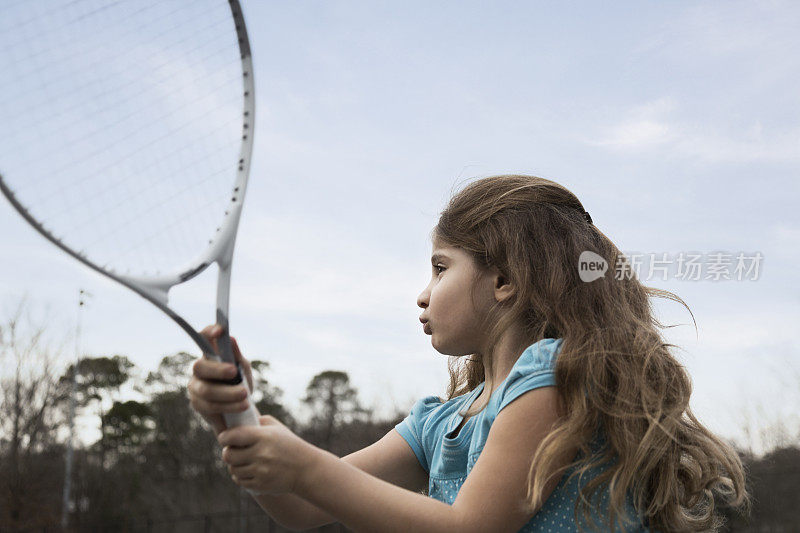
x: 155, y: 289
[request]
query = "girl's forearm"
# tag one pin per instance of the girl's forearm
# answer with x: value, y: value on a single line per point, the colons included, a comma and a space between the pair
x: 364, y: 502
x: 293, y: 512
x: 288, y: 510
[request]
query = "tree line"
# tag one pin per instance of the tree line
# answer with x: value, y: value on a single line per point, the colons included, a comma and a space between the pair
x: 154, y: 457
x: 156, y: 462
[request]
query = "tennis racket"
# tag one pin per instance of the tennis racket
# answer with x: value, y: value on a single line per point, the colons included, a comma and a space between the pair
x: 126, y: 129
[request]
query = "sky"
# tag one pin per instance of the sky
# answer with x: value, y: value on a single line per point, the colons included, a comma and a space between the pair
x: 677, y: 125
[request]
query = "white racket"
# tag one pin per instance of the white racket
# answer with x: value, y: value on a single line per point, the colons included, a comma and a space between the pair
x: 126, y: 129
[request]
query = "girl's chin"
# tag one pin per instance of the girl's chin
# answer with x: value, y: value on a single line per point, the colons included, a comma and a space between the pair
x: 435, y: 343
x: 444, y: 349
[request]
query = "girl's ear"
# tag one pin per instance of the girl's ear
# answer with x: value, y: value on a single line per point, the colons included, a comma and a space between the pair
x: 503, y: 289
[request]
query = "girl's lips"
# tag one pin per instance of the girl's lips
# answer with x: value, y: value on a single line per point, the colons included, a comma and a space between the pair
x: 426, y: 328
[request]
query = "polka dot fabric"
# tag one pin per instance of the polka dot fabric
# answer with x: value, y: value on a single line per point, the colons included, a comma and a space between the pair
x: 448, y: 459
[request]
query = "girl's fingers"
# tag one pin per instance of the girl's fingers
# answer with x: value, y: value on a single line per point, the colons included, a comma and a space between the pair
x: 244, y: 363
x: 242, y: 472
x: 238, y: 354
x: 237, y: 465
x: 211, y: 333
x: 237, y: 456
x: 216, y: 392
x: 217, y: 370
x: 245, y: 483
x: 217, y: 408
x: 205, y: 368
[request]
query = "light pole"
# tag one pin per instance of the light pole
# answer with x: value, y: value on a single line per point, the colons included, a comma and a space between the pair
x: 82, y: 296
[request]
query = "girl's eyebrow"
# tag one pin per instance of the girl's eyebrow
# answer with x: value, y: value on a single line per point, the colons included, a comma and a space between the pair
x: 438, y: 257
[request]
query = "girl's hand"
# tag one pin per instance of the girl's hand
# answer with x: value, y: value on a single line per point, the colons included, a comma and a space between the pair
x: 268, y: 459
x: 207, y: 394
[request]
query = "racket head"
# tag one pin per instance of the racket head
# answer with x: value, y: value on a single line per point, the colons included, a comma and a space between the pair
x: 128, y: 132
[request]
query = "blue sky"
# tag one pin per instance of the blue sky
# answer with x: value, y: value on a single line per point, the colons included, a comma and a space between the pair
x: 677, y: 125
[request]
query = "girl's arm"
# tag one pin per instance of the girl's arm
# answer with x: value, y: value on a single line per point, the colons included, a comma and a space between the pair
x: 363, y: 502
x: 491, y: 499
x: 287, y: 510
x: 390, y: 459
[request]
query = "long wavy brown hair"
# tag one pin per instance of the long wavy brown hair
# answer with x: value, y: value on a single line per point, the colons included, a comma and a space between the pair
x: 614, y: 373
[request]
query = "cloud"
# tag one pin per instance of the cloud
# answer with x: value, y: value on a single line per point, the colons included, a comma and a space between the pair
x: 645, y: 125
x: 788, y: 237
x: 751, y: 146
x: 657, y: 126
x: 722, y: 70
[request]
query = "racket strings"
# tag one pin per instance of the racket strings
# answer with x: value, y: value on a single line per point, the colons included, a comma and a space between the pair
x: 77, y: 90
x: 196, y: 161
x: 89, y: 101
x: 124, y: 125
x: 81, y: 159
x: 38, y: 22
x: 18, y: 24
x: 150, y: 198
x: 143, y: 242
x: 151, y: 206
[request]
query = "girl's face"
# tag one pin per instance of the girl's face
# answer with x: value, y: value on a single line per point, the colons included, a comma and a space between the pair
x: 450, y: 316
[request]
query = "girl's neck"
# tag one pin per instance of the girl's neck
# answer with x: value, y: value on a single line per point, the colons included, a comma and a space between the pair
x: 505, y: 354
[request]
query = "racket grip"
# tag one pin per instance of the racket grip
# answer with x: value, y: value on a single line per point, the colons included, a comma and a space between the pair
x: 248, y: 417
x: 245, y: 418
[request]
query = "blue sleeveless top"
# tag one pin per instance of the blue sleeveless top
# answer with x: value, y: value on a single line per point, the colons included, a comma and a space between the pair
x: 449, y: 460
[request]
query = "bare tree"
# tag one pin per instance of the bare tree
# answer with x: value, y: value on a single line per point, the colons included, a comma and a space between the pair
x: 771, y: 421
x: 29, y: 404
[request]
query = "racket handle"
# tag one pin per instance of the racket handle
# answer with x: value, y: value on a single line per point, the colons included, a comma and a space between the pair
x: 245, y: 418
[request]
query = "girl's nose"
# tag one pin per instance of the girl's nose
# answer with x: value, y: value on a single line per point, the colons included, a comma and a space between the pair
x: 422, y: 300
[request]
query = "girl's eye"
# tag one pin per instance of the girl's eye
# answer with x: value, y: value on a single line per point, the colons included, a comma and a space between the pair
x: 439, y: 268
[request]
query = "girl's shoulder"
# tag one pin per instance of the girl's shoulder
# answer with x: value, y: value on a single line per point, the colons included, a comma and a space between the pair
x: 534, y: 368
x: 539, y: 357
x: 434, y: 405
x: 424, y: 406
x: 425, y: 425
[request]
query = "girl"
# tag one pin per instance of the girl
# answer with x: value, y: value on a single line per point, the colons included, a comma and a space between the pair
x: 565, y: 411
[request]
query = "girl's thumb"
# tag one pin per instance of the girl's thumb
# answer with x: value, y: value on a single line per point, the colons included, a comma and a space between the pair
x: 236, y: 352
